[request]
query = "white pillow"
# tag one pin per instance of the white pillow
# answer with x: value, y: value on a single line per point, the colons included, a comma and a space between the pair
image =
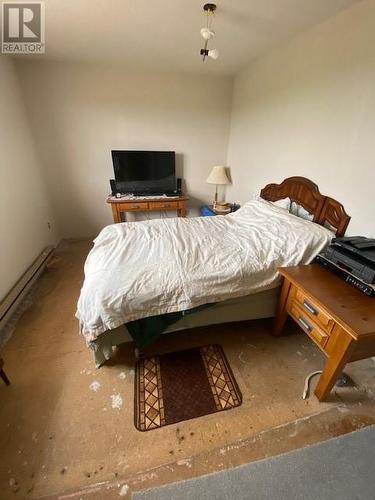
x: 299, y: 211
x: 284, y: 203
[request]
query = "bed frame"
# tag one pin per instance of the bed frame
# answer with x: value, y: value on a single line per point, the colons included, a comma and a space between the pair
x: 326, y: 211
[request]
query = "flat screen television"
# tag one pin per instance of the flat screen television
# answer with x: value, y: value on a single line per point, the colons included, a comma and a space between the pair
x: 145, y: 172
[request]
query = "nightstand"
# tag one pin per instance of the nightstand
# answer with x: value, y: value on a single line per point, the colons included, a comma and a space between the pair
x: 338, y: 318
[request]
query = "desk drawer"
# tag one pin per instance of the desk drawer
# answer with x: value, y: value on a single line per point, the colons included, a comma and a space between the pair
x: 163, y: 205
x: 308, y: 326
x: 138, y: 205
x: 314, y: 312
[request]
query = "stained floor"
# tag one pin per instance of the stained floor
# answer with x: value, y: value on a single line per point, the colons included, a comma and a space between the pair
x: 66, y: 429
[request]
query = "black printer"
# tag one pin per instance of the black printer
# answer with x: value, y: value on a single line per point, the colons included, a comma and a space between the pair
x: 352, y: 258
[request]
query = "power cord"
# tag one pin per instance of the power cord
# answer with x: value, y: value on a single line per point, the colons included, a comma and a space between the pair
x: 306, y: 389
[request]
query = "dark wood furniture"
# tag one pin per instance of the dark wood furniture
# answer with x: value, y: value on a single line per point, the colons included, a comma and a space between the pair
x: 119, y: 205
x: 2, y: 373
x: 327, y: 211
x: 337, y: 317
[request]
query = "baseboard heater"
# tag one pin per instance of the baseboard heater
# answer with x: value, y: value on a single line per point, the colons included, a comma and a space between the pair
x: 9, y: 305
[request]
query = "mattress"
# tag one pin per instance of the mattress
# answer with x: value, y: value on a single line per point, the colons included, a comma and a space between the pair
x: 142, y: 269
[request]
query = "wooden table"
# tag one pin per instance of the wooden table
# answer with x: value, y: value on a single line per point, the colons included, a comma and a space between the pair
x: 336, y: 316
x: 179, y: 204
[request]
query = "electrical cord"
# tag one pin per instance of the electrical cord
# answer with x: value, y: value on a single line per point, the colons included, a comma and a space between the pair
x: 306, y: 389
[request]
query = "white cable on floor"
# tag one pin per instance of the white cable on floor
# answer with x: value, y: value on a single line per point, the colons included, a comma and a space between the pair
x: 306, y: 389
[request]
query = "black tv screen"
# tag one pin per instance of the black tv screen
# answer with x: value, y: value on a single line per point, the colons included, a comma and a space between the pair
x: 145, y: 172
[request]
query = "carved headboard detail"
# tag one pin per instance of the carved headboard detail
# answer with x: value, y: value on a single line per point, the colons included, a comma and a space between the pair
x: 326, y: 211
x: 334, y: 214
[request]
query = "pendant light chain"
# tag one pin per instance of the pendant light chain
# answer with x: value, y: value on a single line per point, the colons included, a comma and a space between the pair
x: 207, y: 33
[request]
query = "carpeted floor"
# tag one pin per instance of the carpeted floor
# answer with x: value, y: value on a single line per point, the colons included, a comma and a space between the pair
x: 340, y: 468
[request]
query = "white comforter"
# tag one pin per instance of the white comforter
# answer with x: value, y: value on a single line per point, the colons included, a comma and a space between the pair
x: 141, y: 269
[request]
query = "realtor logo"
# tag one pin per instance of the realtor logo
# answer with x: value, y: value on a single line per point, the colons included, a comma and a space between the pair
x: 23, y: 28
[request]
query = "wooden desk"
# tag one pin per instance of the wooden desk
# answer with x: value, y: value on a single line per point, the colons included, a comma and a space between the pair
x: 147, y: 205
x: 336, y: 316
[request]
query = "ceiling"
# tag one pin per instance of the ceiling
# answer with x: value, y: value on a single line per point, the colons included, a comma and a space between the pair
x: 165, y: 34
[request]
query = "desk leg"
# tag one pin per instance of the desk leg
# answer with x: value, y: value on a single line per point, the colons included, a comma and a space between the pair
x: 116, y: 214
x: 281, y: 312
x: 182, y: 212
x: 343, y: 345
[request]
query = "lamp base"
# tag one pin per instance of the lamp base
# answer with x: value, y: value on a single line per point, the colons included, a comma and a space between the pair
x: 220, y: 205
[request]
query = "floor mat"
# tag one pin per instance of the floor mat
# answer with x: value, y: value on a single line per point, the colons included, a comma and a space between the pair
x: 182, y: 385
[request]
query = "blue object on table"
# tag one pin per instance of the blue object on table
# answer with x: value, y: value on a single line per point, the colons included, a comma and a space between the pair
x: 206, y: 211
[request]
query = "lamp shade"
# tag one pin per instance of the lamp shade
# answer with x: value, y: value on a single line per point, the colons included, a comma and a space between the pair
x: 207, y: 34
x: 218, y: 175
x: 213, y: 53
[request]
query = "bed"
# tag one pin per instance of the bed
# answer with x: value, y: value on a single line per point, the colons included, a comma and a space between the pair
x: 160, y: 267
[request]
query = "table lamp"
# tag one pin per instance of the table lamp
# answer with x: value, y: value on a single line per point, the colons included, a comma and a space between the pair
x: 217, y: 176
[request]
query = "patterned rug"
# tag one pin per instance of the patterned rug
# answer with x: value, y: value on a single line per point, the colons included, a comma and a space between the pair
x: 183, y: 385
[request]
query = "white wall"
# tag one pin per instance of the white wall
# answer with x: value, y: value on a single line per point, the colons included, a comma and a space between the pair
x: 309, y: 109
x: 24, y: 208
x: 81, y: 112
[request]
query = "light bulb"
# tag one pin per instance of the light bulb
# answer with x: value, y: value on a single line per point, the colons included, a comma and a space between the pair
x: 207, y: 34
x: 214, y: 53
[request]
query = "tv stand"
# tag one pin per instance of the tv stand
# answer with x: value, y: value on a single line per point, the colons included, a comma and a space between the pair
x: 147, y: 204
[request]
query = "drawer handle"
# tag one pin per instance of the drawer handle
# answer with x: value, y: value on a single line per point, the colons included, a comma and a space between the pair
x: 164, y: 206
x: 136, y: 206
x: 310, y: 308
x: 304, y: 324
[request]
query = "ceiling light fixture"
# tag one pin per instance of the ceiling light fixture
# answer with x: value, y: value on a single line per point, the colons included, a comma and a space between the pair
x: 208, y: 33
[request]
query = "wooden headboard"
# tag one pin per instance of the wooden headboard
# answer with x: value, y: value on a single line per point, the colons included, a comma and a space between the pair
x: 326, y: 211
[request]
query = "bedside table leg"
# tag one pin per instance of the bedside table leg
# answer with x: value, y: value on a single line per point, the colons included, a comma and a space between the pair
x: 335, y: 365
x: 281, y: 312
